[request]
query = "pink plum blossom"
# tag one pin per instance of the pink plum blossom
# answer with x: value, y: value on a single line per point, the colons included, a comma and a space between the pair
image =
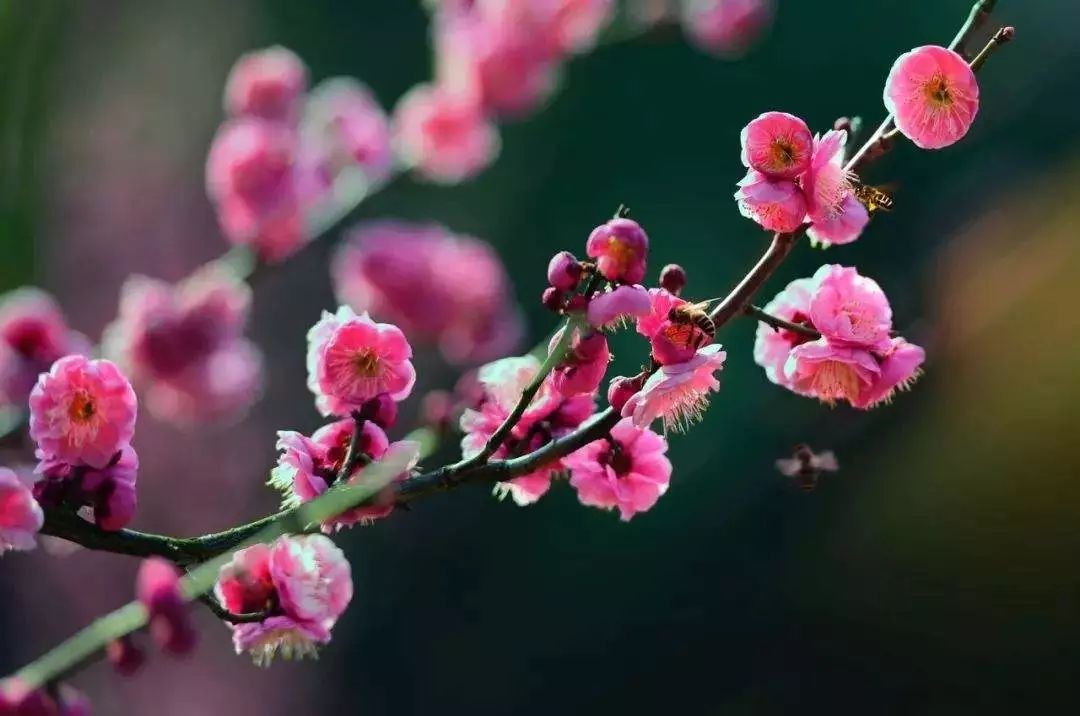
x: 21, y: 517
x: 577, y: 23
x: 836, y: 216
x: 612, y: 308
x: 933, y: 95
x: 899, y: 365
x: 777, y: 144
x: 627, y: 471
x: 548, y: 416
x: 849, y: 309
x: 267, y: 84
x: 662, y: 301
x: 345, y: 126
x: 108, y: 493
x: 18, y: 699
x: 775, y: 204
x: 831, y: 373
x: 82, y: 411
x: 725, y: 27
x: 438, y: 286
x: 771, y: 346
x: 351, y: 359
x: 585, y: 364
x: 620, y: 247
x: 444, y: 135
x: 677, y: 393
x: 158, y: 587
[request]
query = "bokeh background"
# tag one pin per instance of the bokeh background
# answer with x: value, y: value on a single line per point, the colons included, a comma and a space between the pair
x: 935, y: 573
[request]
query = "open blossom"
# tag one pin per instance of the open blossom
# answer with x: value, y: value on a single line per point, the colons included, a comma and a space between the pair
x: 82, y: 411
x: 345, y: 126
x: 352, y: 359
x: 679, y: 392
x: 183, y: 345
x: 268, y: 84
x: 438, y: 286
x: 725, y: 27
x: 835, y: 215
x: 777, y: 144
x: 158, y: 588
x: 849, y: 309
x: 612, y: 308
x: 900, y: 366
x: 620, y: 247
x: 661, y: 302
x: 548, y: 416
x: 775, y: 204
x: 108, y: 493
x: 584, y: 366
x: 33, y: 334
x: 628, y: 472
x: 934, y: 96
x: 771, y: 346
x: 21, y: 517
x: 831, y: 373
x: 302, y: 583
x: 444, y: 135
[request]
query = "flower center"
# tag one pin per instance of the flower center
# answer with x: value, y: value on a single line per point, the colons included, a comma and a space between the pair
x: 618, y: 459
x: 795, y: 338
x: 366, y: 364
x: 937, y: 91
x: 81, y: 409
x: 835, y: 380
x: 620, y: 252
x: 782, y: 153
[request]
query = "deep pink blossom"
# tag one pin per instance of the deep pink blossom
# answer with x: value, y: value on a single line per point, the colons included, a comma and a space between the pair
x: 662, y: 301
x: 108, y: 494
x: 158, y: 587
x: 82, y: 411
x: 775, y: 204
x: 933, y: 95
x: 351, y: 359
x: 613, y: 308
x: 677, y: 393
x: 439, y: 287
x: 620, y: 247
x: 771, y: 346
x: 21, y: 517
x: 444, y: 135
x: 831, y: 373
x: 345, y: 126
x: 628, y: 471
x: 777, y: 144
x: 584, y: 366
x: 183, y: 345
x: 849, y: 309
x: 725, y: 27
x: 836, y: 216
x: 268, y: 84
x: 900, y: 366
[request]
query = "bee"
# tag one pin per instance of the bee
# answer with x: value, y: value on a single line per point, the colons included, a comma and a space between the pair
x: 691, y: 325
x: 873, y: 197
x: 805, y: 466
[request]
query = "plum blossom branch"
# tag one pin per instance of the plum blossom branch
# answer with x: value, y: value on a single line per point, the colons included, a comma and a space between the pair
x: 779, y: 323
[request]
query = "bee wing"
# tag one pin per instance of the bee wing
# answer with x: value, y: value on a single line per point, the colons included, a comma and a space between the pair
x: 789, y: 466
x: 826, y: 461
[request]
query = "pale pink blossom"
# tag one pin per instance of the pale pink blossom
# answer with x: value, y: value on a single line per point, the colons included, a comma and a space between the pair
x: 268, y: 84
x: 836, y: 216
x: 933, y: 95
x: 771, y: 346
x: 158, y: 587
x: 82, y: 411
x: 725, y: 27
x: 444, y: 135
x: 777, y: 144
x: 351, y: 359
x: 344, y: 125
x: 108, y: 494
x: 438, y: 286
x: 849, y: 309
x: 33, y: 335
x: 775, y: 204
x: 677, y: 393
x: 841, y: 226
x: 620, y: 247
x: 831, y: 373
x: 21, y: 517
x: 585, y: 364
x: 628, y: 471
x: 900, y: 366
x: 613, y: 308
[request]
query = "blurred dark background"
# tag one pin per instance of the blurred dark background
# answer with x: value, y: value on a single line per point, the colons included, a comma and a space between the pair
x: 935, y: 573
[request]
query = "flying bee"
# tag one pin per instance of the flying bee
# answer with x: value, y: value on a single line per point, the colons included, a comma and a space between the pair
x: 872, y: 197
x: 805, y: 466
x: 691, y: 325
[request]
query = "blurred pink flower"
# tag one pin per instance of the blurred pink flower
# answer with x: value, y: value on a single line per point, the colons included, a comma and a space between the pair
x: 725, y: 27
x: 620, y: 247
x: 934, y: 96
x: 583, y: 368
x: 836, y: 216
x: 849, y: 309
x: 777, y: 144
x: 82, y: 411
x: 33, y: 335
x: 21, y: 517
x: 443, y: 134
x: 577, y: 23
x: 158, y: 587
x: 627, y: 471
x: 771, y: 346
x: 677, y: 393
x: 267, y: 84
x: 108, y: 493
x: 613, y: 308
x: 830, y: 373
x: 900, y: 367
x: 17, y: 699
x: 775, y: 204
x: 344, y: 126
x: 351, y: 359
x: 183, y: 344
x: 436, y: 285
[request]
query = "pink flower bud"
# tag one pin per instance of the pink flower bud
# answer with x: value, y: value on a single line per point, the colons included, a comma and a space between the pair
x: 268, y: 84
x: 437, y: 409
x: 381, y: 410
x: 621, y: 388
x: 620, y: 248
x: 583, y: 369
x: 564, y: 271
x: 157, y: 586
x: 18, y: 699
x: 20, y: 514
x: 109, y: 492
x: 552, y: 299
x: 673, y: 279
x: 577, y: 303
x: 124, y: 656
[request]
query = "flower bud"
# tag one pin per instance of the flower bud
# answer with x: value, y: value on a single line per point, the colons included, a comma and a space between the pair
x: 158, y: 588
x: 552, y: 298
x: 577, y: 303
x: 124, y: 656
x: 436, y: 409
x: 564, y: 271
x: 673, y: 278
x: 621, y: 388
x: 620, y: 248
x: 381, y: 410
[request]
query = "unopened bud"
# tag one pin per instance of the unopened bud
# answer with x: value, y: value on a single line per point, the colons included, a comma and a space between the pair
x: 564, y: 271
x: 552, y: 298
x: 381, y: 410
x: 124, y: 656
x: 622, y: 388
x: 673, y: 278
